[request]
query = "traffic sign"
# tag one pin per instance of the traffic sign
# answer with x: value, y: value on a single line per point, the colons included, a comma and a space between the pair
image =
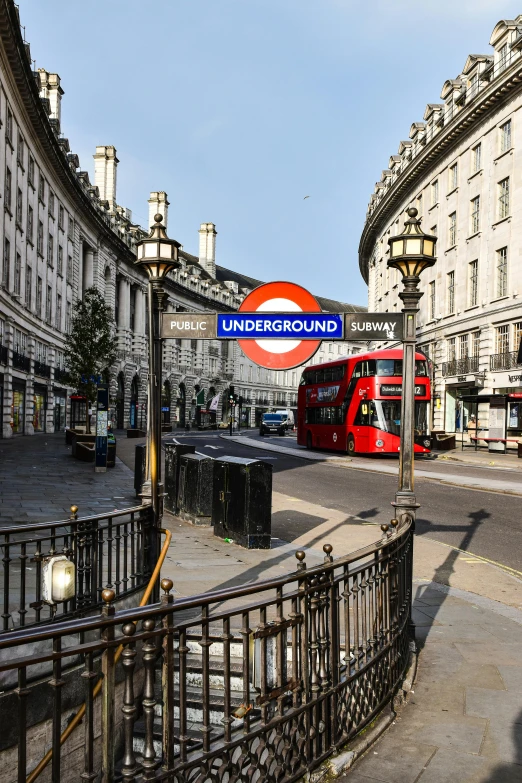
x: 373, y: 326
x: 276, y: 353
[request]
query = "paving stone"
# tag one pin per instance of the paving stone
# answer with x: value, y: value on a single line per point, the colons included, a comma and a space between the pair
x: 437, y: 698
x: 450, y: 766
x: 393, y: 764
x: 512, y: 677
x: 503, y: 741
x: 460, y: 732
x: 460, y: 632
x: 495, y: 705
x: 502, y: 653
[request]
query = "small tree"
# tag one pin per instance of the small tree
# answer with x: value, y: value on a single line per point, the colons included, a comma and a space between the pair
x: 89, y: 349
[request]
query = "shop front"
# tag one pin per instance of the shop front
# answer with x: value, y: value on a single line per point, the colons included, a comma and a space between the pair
x: 60, y: 402
x: 18, y: 408
x: 39, y: 408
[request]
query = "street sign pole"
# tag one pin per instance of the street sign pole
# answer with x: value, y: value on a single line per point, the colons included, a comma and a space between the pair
x: 102, y: 414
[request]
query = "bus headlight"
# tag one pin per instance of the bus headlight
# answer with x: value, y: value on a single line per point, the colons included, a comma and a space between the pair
x: 379, y: 443
x: 427, y: 443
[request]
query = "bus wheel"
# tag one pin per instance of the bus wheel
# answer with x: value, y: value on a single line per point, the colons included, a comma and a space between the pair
x: 351, y: 444
x: 309, y: 440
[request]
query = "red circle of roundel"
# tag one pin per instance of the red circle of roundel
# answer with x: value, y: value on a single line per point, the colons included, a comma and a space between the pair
x: 286, y: 354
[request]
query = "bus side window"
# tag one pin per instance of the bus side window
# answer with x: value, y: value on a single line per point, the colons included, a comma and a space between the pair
x: 358, y: 370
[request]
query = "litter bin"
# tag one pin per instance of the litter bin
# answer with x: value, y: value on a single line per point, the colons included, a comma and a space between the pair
x: 195, y: 488
x: 443, y: 441
x: 242, y: 501
x: 173, y: 454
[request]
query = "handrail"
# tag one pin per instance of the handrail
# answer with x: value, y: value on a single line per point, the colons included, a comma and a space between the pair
x: 68, y: 522
x: 97, y: 688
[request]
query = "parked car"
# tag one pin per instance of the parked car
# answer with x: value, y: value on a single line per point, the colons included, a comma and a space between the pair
x: 273, y: 422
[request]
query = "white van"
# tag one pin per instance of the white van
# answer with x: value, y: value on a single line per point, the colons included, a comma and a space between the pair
x: 289, y: 417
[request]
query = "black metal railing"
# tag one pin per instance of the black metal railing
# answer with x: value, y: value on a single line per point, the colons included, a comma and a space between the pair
x: 461, y: 366
x: 504, y: 361
x: 42, y: 369
x: 258, y: 682
x: 4, y: 354
x: 60, y: 374
x: 21, y: 361
x: 109, y: 551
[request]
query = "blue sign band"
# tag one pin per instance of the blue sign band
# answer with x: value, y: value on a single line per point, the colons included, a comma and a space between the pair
x: 280, y: 326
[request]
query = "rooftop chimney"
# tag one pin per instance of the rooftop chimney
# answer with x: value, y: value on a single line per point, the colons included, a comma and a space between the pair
x: 50, y: 89
x: 105, y: 163
x: 158, y: 204
x: 207, y: 248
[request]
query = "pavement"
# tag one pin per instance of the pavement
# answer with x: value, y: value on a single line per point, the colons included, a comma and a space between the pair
x: 463, y: 721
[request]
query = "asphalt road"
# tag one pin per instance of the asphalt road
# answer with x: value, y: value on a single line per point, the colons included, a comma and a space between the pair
x: 485, y: 523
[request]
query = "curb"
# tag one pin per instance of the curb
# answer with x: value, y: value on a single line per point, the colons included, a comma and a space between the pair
x: 353, y: 750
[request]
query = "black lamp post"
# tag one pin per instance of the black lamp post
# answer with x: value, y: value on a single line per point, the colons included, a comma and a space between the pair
x: 157, y: 255
x: 411, y: 253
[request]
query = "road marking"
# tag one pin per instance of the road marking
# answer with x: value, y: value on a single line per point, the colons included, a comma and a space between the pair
x: 208, y: 446
x: 479, y: 558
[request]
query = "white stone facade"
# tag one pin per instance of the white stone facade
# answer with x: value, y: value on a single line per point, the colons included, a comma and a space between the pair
x: 461, y: 168
x: 61, y: 234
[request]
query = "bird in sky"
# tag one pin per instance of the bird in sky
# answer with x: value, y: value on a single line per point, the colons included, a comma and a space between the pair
x: 306, y: 197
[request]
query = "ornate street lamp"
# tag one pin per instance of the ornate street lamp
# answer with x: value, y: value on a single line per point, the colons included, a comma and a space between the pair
x: 157, y: 255
x: 411, y: 253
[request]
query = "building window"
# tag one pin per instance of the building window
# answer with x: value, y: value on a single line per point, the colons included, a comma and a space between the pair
x: 432, y: 300
x: 517, y: 335
x: 39, y: 297
x: 68, y: 273
x: 463, y: 346
x: 7, y: 264
x: 419, y: 204
x: 19, y: 207
x: 30, y: 224
x: 476, y: 154
x: 502, y: 272
x: 70, y: 227
x: 451, y: 292
x: 502, y: 339
x: 20, y: 150
x: 28, y: 286
x: 475, y: 344
x: 475, y: 214
x: 39, y: 239
x: 451, y: 349
x: 473, y: 283
x: 9, y: 127
x: 453, y: 176
x: 50, y: 250
x: 452, y: 229
x: 51, y: 203
x: 49, y: 305
x: 503, y: 198
x: 58, y: 311
x: 60, y: 216
x: 17, y: 274
x: 30, y: 171
x: 41, y: 187
x: 59, y: 267
x: 68, y: 317
x: 8, y: 189
x: 502, y: 58
x: 505, y: 136
x: 434, y: 192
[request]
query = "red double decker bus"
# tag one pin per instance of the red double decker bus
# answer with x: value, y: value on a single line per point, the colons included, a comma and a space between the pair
x: 354, y: 404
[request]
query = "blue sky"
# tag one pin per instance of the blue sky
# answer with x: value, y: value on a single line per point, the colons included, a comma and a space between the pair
x: 241, y: 108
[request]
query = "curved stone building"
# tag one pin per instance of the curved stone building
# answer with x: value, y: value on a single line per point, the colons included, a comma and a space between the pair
x: 461, y: 167
x: 59, y: 235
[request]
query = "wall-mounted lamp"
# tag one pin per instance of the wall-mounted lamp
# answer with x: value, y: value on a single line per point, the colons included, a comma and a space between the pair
x: 58, y: 575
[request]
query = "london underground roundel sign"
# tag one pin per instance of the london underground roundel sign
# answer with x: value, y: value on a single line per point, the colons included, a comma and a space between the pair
x: 279, y: 354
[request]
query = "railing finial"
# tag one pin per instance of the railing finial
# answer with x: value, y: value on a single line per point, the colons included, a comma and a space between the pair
x: 167, y: 585
x: 327, y: 549
x: 300, y: 555
x: 108, y: 596
x: 74, y: 512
